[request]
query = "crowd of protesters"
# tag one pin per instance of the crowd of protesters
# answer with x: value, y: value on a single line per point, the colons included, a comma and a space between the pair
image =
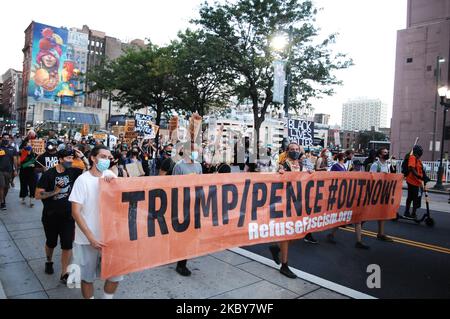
x: 65, y: 177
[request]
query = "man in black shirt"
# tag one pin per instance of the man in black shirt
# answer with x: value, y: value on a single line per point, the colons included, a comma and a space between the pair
x: 167, y: 163
x: 8, y: 167
x: 54, y: 189
x: 49, y: 159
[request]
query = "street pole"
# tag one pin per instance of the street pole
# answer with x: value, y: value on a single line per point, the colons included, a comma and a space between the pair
x: 32, y: 116
x: 439, y: 60
x: 439, y: 185
x: 109, y: 112
x: 288, y: 77
x: 59, y: 121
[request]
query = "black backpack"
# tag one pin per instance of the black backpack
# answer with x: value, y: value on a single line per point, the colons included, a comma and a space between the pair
x: 405, y: 169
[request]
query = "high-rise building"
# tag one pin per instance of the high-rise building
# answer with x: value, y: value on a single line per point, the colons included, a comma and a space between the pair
x: 11, y: 93
x: 321, y: 118
x: 55, y: 60
x: 363, y: 114
x: 422, y: 66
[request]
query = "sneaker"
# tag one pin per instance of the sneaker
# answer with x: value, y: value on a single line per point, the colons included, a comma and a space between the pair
x: 360, y: 245
x: 287, y: 272
x: 183, y: 271
x: 414, y: 215
x: 309, y: 239
x: 64, y: 278
x: 275, y: 251
x: 385, y: 238
x: 330, y: 239
x: 49, y: 268
x: 3, y: 206
x: 407, y: 215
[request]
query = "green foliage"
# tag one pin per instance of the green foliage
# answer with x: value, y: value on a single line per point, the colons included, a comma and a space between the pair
x: 247, y: 28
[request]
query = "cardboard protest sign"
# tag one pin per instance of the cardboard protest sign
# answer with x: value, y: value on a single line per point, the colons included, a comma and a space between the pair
x: 38, y: 146
x: 77, y: 137
x: 195, y: 126
x: 85, y: 130
x: 135, y: 169
x: 151, y: 221
x: 100, y: 136
x: 301, y: 132
x: 117, y: 130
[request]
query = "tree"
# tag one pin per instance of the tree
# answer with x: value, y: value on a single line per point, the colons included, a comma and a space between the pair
x: 247, y: 26
x: 364, y: 137
x: 140, y: 78
x: 202, y: 80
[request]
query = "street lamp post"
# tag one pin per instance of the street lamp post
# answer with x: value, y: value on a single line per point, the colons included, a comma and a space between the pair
x: 32, y: 114
x: 444, y: 94
x: 439, y: 60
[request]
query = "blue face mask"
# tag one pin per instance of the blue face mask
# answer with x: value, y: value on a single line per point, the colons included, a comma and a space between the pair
x: 28, y: 148
x: 103, y: 164
x: 194, y: 155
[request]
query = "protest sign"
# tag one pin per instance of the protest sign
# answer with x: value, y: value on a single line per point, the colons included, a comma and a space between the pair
x: 301, y: 132
x: 144, y: 124
x: 38, y: 146
x: 151, y: 221
x: 135, y: 169
x: 77, y: 137
x: 85, y: 130
x: 100, y: 136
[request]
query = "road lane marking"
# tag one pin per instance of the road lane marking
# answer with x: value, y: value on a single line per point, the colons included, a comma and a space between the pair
x: 404, y: 241
x: 305, y: 276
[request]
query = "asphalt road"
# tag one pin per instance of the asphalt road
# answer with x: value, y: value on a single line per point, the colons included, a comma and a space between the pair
x: 416, y: 265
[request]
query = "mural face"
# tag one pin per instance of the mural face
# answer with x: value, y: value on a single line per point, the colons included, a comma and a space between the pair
x: 58, y: 61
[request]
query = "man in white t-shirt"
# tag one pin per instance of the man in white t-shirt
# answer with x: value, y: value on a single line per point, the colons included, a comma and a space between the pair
x: 381, y: 166
x: 86, y: 213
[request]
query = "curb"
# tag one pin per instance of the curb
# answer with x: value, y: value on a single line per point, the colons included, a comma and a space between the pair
x: 2, y: 292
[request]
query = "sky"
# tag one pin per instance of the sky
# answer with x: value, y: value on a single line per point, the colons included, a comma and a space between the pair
x: 367, y: 28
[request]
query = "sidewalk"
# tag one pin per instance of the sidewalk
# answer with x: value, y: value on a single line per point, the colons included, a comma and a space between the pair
x: 230, y: 274
x: 430, y: 186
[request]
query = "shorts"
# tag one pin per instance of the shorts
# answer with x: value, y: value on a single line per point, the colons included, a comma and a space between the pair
x: 5, y: 179
x: 58, y: 224
x: 89, y: 260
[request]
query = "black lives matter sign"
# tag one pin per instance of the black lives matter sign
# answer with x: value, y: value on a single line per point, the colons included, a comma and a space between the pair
x: 301, y: 132
x: 143, y: 124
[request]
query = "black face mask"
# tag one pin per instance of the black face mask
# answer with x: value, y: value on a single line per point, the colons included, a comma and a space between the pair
x: 5, y: 143
x: 386, y: 157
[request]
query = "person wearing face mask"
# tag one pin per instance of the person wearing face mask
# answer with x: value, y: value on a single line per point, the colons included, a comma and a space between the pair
x: 8, y: 167
x: 54, y: 189
x: 27, y: 175
x: 292, y: 163
x: 393, y: 165
x: 340, y: 167
x: 188, y: 165
x: 86, y: 213
x: 116, y: 168
x: 167, y: 163
x: 381, y: 166
x: 322, y: 161
x: 49, y: 158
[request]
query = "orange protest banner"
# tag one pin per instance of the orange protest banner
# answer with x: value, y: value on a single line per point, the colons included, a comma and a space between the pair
x: 152, y: 221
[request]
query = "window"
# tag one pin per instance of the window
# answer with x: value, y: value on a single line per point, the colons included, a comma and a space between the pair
x: 409, y: 60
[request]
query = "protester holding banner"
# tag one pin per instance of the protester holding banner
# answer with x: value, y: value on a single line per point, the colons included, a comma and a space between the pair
x: 382, y: 166
x: 187, y: 166
x: 54, y: 189
x: 292, y: 163
x: 167, y: 163
x: 340, y: 167
x: 349, y: 160
x: 27, y: 174
x: 85, y: 211
x: 322, y: 161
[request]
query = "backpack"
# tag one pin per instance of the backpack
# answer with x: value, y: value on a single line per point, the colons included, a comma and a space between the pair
x: 405, y: 169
